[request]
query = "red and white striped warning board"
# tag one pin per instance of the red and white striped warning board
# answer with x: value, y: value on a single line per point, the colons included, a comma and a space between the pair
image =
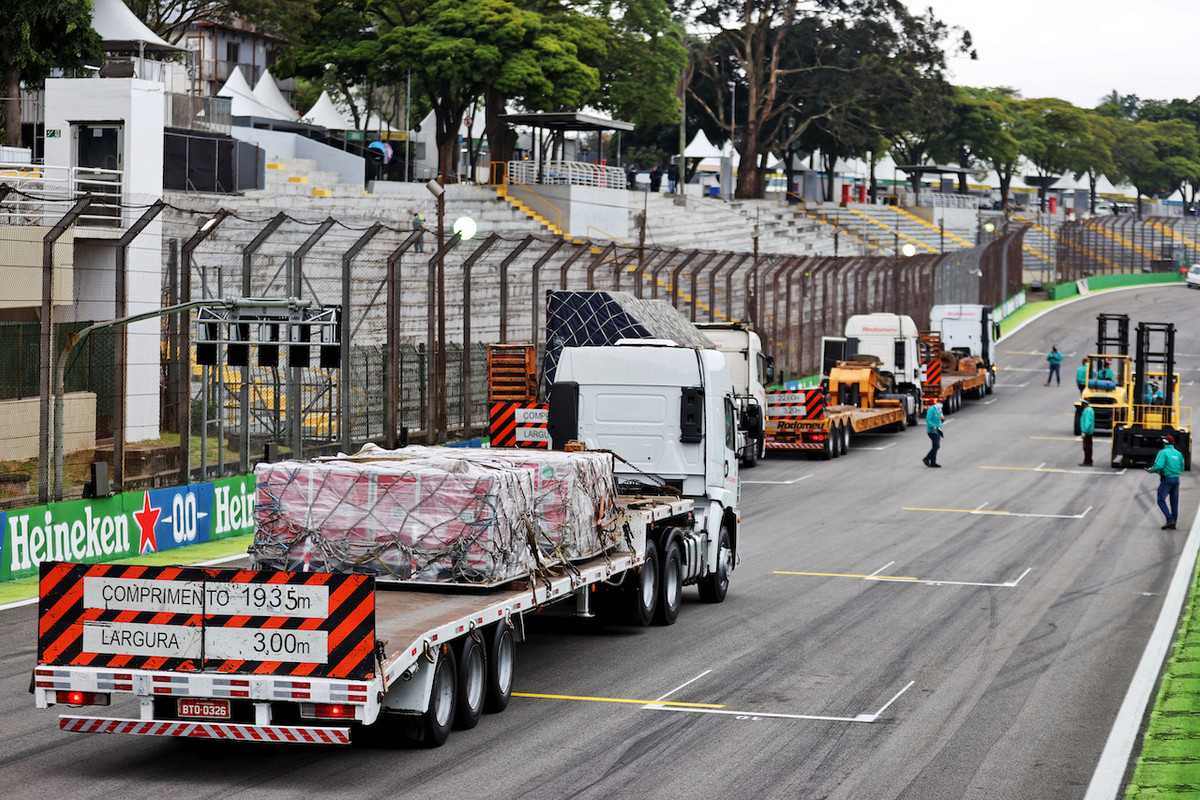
x: 285, y: 734
x: 520, y: 425
x: 190, y: 619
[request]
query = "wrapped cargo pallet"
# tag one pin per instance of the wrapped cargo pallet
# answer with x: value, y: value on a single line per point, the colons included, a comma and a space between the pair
x: 434, y: 514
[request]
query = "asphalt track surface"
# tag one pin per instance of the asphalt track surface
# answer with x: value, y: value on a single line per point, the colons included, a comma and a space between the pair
x: 892, y: 631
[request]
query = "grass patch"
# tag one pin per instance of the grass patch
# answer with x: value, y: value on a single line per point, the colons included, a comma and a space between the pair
x: 1168, y: 766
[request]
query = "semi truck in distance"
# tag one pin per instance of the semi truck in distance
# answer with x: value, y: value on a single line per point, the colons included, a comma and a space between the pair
x: 752, y: 371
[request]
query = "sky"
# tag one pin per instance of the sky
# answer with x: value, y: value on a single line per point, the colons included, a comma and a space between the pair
x: 1076, y: 50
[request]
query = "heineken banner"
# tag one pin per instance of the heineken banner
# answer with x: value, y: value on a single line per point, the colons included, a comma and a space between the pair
x: 135, y: 523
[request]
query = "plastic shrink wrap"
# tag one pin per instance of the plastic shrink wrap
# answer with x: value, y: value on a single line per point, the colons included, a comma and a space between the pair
x: 444, y: 515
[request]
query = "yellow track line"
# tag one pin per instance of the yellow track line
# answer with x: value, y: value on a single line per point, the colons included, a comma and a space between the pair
x: 844, y: 575
x: 616, y: 700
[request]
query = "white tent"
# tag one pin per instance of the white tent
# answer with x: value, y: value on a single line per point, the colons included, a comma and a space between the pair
x: 244, y: 103
x: 701, y: 147
x: 327, y: 115
x: 266, y: 91
x: 121, y: 30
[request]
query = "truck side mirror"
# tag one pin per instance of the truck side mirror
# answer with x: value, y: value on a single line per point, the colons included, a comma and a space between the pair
x: 691, y: 415
x: 769, y: 372
x: 563, y: 418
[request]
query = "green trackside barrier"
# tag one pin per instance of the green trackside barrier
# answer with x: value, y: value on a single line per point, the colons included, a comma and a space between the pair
x: 126, y: 525
x: 1099, y: 282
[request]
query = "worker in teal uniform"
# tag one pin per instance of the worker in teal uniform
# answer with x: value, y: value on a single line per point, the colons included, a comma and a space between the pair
x: 1168, y: 465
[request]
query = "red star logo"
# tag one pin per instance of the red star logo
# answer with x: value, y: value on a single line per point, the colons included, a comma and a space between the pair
x: 146, y: 520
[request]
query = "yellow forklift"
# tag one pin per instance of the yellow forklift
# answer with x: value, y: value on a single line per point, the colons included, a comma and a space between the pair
x: 1153, y: 414
x: 1108, y: 386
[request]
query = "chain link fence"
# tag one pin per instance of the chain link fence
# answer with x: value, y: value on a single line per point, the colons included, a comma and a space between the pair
x: 415, y: 318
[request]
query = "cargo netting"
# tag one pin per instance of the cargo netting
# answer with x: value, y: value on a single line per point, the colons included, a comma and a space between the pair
x: 583, y: 319
x: 436, y: 515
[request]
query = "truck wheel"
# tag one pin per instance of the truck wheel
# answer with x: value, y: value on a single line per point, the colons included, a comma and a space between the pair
x: 439, y: 717
x: 827, y: 450
x: 670, y: 592
x: 715, y: 584
x: 472, y: 687
x: 645, y: 591
x: 751, y: 459
x: 501, y: 666
x: 835, y: 441
x: 845, y: 440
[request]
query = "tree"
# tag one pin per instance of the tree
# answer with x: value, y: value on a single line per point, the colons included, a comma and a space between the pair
x: 1056, y: 140
x: 796, y: 63
x: 171, y: 18
x: 456, y: 49
x: 1001, y: 152
x: 980, y: 126
x: 1097, y: 155
x: 36, y: 35
x: 1156, y: 157
x: 341, y: 51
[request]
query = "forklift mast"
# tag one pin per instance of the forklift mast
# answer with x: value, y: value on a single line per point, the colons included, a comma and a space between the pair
x: 1155, y: 356
x: 1113, y: 335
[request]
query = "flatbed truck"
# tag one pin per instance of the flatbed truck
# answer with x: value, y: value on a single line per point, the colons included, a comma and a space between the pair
x: 802, y: 421
x: 307, y: 657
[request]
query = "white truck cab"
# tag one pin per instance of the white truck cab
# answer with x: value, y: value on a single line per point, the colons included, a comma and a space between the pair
x: 668, y: 412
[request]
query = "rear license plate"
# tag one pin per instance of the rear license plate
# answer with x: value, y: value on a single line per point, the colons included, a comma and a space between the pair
x: 206, y: 709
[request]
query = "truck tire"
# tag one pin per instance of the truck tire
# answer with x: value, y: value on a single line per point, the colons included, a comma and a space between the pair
x: 828, y: 449
x: 645, y: 589
x: 670, y: 593
x: 714, y: 586
x: 751, y: 458
x: 989, y: 382
x: 439, y: 716
x: 501, y: 667
x: 846, y: 440
x: 472, y: 683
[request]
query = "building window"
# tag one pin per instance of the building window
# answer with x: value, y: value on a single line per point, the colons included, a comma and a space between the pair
x: 233, y: 52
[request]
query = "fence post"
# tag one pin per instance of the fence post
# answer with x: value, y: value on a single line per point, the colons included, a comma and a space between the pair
x: 121, y: 345
x: 46, y: 379
x: 344, y: 334
x: 189, y: 247
x: 508, y: 259
x: 244, y: 391
x: 484, y: 246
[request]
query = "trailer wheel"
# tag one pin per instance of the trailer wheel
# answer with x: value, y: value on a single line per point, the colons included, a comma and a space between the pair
x: 645, y: 591
x: 827, y: 450
x: 472, y: 683
x: 670, y: 593
x: 501, y: 666
x: 439, y: 717
x: 715, y: 584
x: 835, y: 441
x: 846, y: 439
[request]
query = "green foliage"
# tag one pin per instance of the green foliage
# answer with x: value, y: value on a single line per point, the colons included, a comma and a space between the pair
x: 1056, y: 137
x: 171, y: 18
x: 36, y: 35
x: 1157, y: 158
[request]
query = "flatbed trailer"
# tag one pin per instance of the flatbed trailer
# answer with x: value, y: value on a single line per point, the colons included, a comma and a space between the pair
x: 801, y: 420
x: 408, y: 642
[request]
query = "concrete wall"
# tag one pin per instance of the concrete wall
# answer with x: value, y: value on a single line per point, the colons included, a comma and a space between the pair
x: 21, y: 267
x: 139, y: 106
x: 587, y: 211
x: 281, y: 144
x: 79, y: 425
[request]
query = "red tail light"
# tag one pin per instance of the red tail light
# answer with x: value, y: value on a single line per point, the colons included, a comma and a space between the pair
x: 326, y: 711
x: 74, y: 698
